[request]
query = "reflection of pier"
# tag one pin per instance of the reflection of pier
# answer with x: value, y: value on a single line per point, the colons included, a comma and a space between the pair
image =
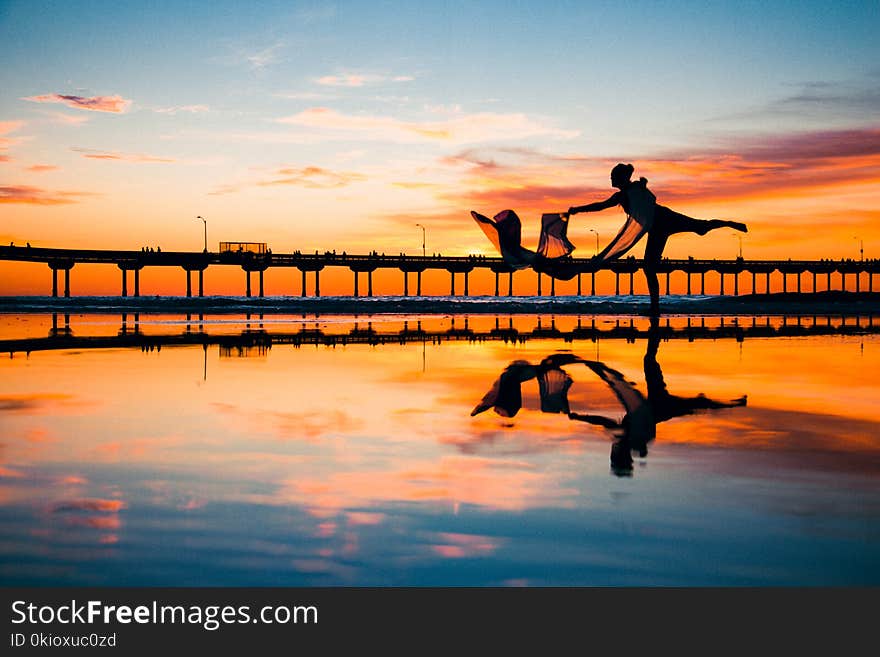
x: 258, y: 341
x: 796, y: 275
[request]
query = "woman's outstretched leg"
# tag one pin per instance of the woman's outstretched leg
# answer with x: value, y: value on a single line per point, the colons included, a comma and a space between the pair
x: 672, y: 222
x: 705, y: 225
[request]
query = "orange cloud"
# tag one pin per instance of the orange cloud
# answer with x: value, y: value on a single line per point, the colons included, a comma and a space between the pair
x: 42, y: 168
x: 112, y: 104
x: 38, y: 196
x: 314, y: 177
x: 5, y: 128
x: 123, y: 157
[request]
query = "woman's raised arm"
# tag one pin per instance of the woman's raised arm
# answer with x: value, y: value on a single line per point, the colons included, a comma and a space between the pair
x: 610, y: 202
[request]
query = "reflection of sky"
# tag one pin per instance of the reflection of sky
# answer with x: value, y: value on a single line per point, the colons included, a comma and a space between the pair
x: 361, y: 465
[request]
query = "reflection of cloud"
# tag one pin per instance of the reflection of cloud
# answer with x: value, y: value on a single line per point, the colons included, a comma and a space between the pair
x: 308, y: 425
x: 10, y: 473
x: 494, y: 483
x: 94, y: 505
x: 112, y: 104
x: 457, y: 546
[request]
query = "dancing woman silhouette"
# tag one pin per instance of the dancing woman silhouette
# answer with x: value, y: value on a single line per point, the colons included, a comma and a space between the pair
x: 645, y: 215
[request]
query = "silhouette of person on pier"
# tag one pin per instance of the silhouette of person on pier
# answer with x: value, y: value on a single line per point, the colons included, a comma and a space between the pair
x: 645, y: 215
x: 634, y: 431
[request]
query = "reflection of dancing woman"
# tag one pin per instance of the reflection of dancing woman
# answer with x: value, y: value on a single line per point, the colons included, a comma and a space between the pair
x: 644, y: 215
x: 639, y: 424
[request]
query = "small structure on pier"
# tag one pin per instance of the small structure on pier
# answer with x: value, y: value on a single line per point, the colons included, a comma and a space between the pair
x: 243, y: 247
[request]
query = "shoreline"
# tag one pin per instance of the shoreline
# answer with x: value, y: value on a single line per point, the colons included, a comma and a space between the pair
x: 828, y: 302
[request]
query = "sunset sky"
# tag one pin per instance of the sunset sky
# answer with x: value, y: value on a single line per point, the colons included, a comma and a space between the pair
x: 341, y: 126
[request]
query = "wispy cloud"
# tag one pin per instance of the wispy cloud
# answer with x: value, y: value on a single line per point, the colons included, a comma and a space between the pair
x: 121, y: 157
x: 310, y: 177
x: 457, y: 128
x: 313, y: 177
x: 42, y: 168
x: 263, y: 57
x: 190, y: 109
x: 359, y: 79
x: 111, y: 104
x: 29, y: 195
x: 5, y: 128
x: 67, y: 119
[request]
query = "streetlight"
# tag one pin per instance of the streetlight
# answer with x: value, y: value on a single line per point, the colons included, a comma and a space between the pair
x: 423, y: 239
x: 861, y: 248
x: 739, y: 237
x: 205, y: 221
x: 597, y: 240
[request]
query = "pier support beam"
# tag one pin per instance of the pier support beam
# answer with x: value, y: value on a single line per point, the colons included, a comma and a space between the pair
x: 510, y: 284
x: 466, y: 283
x: 317, y: 283
x: 261, y: 283
x: 721, y: 284
x: 799, y: 282
x: 667, y: 283
x: 689, y: 284
x: 124, y: 283
x: 201, y: 283
x: 419, y: 283
x: 356, y: 284
x: 814, y: 281
x: 736, y: 285
x: 369, y: 283
x: 247, y: 277
x: 631, y: 282
x: 137, y: 282
x: 579, y: 285
x: 189, y: 283
x: 303, y: 293
x: 452, y: 283
x: 497, y: 277
x: 552, y: 286
x: 616, y: 283
x: 593, y: 283
x: 702, y: 282
x: 767, y: 289
x: 754, y: 282
x: 785, y: 281
x: 405, y: 284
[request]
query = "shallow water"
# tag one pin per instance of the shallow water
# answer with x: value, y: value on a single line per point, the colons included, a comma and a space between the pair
x: 338, y: 451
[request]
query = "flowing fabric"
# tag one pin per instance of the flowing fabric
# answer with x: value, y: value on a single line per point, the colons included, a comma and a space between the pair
x: 554, y: 242
x: 641, y: 205
x: 505, y: 232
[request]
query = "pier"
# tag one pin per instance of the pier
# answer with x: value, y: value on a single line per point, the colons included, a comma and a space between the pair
x: 796, y: 275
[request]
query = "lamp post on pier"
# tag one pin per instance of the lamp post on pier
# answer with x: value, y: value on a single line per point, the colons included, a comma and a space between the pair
x: 423, y: 239
x: 597, y: 240
x: 205, y: 221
